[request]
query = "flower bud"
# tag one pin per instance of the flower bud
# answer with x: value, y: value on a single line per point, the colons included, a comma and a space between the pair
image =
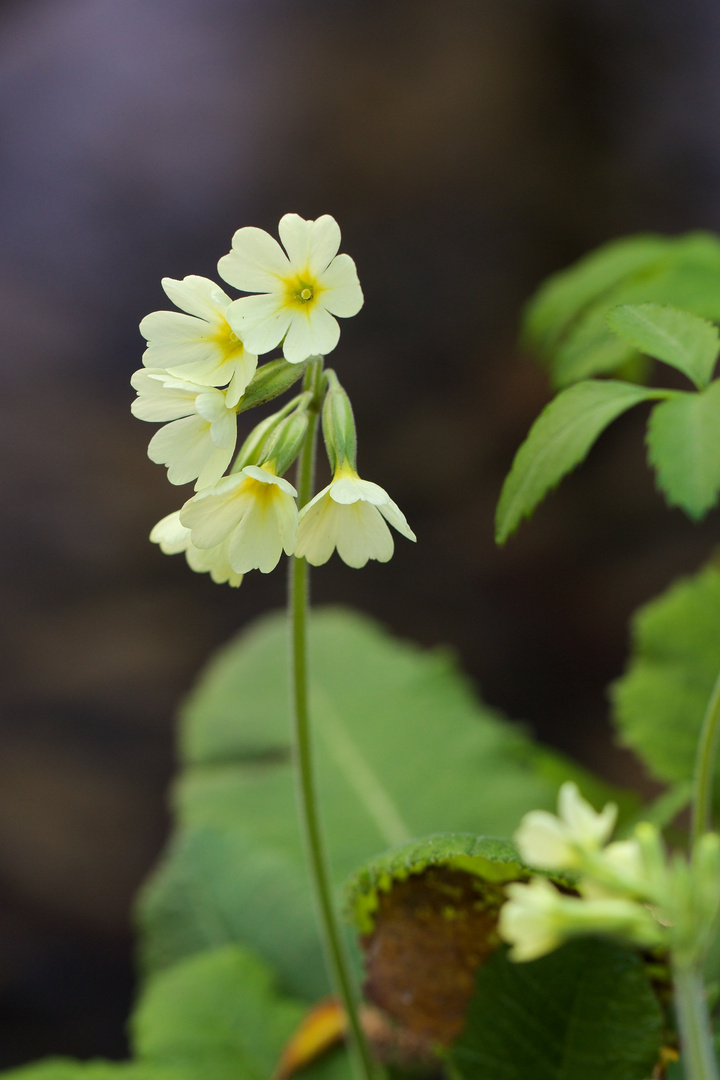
x: 269, y: 382
x: 338, y: 426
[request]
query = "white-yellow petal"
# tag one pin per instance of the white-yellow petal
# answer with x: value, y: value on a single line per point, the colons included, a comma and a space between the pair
x: 256, y: 262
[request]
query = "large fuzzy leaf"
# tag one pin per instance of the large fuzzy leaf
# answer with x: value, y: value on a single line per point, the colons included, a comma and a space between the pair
x: 587, y: 1010
x: 403, y: 749
x: 68, y: 1069
x: 660, y: 701
x: 218, y: 1016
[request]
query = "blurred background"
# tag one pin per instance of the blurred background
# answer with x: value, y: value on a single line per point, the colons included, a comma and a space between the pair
x: 468, y: 149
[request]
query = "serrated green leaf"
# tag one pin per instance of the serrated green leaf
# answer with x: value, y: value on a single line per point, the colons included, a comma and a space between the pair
x: 485, y: 857
x: 684, y: 340
x: 683, y: 439
x: 586, y: 1010
x: 559, y: 440
x: 403, y: 748
x: 217, y: 1015
x: 68, y: 1069
x: 573, y: 338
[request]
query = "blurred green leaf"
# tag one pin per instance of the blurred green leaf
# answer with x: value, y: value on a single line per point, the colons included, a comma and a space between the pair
x: 683, y: 439
x: 559, y: 440
x: 587, y: 1010
x: 565, y: 323
x: 561, y: 298
x: 68, y: 1069
x: 218, y: 1016
x: 660, y: 701
x: 681, y: 339
x: 403, y: 749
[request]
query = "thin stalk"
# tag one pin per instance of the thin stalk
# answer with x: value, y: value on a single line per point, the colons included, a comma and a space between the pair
x: 299, y: 605
x: 705, y: 767
x: 698, y: 1056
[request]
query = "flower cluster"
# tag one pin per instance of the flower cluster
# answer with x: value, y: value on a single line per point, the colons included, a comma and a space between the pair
x: 201, y: 371
x: 629, y: 889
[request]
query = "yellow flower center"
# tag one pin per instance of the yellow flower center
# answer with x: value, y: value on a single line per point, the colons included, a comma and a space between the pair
x: 301, y: 291
x: 227, y: 341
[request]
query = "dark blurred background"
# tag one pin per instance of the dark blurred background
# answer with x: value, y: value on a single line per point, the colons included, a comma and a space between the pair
x: 467, y: 149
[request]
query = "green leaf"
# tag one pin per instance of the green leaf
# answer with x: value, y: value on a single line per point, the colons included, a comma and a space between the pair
x: 681, y: 339
x: 558, y: 441
x: 660, y: 701
x: 559, y: 300
x: 487, y: 858
x: 403, y: 749
x: 683, y: 439
x: 587, y: 1010
x: 68, y: 1069
x: 565, y: 323
x: 216, y: 1015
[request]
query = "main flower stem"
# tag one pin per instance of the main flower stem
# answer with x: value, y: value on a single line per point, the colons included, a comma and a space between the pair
x: 696, y: 1043
x: 299, y: 604
x: 705, y: 766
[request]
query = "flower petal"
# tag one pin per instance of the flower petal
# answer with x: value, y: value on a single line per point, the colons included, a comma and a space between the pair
x: 312, y: 332
x: 256, y: 262
x: 362, y: 534
x: 341, y: 293
x: 261, y: 321
x: 170, y: 534
x: 392, y: 513
x: 198, y: 296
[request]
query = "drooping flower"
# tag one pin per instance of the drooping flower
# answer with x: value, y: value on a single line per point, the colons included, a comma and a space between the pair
x: 560, y: 842
x: 299, y: 292
x: 199, y: 345
x: 254, y: 511
x: 174, y: 538
x: 199, y: 442
x: 350, y: 514
x: 537, y: 918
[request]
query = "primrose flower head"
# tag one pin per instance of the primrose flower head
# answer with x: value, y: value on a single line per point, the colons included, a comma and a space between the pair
x: 301, y: 289
x: 200, y: 440
x: 199, y: 345
x: 559, y: 843
x: 253, y: 511
x: 173, y: 538
x: 350, y: 514
x: 537, y: 918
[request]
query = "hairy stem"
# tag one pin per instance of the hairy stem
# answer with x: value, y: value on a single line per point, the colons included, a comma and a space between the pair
x: 299, y: 605
x: 698, y: 1055
x: 705, y: 767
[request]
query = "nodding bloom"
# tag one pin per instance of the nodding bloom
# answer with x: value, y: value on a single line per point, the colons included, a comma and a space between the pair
x: 561, y: 842
x: 300, y: 289
x: 173, y: 538
x: 200, y: 345
x: 253, y: 511
x: 350, y: 514
x: 537, y: 918
x: 199, y: 442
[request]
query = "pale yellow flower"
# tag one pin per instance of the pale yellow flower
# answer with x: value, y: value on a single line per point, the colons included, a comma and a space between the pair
x: 350, y: 514
x: 254, y: 511
x: 301, y: 289
x: 173, y: 538
x: 559, y: 843
x: 199, y: 442
x: 200, y: 345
